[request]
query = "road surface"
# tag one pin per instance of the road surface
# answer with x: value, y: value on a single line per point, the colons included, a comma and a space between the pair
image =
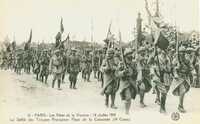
x: 21, y: 95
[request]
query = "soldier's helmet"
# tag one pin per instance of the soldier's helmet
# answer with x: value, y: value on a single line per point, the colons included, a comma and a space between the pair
x: 73, y: 50
x: 182, y: 49
x: 57, y: 51
x: 117, y: 54
x: 190, y: 50
x: 100, y: 51
x: 128, y: 52
x: 87, y: 51
x: 104, y: 49
x: 19, y: 51
x: 141, y: 50
x: 110, y: 53
x: 45, y: 50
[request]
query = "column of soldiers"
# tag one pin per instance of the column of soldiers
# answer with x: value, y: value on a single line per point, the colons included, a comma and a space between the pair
x: 130, y: 72
x: 163, y: 71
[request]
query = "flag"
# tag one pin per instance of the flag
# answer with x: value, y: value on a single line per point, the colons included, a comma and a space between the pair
x: 61, y: 26
x: 30, y: 37
x: 161, y: 41
x: 157, y: 25
x: 159, y: 38
x: 66, y: 42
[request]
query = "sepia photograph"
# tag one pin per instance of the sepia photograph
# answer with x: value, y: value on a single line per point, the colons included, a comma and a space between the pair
x: 99, y: 61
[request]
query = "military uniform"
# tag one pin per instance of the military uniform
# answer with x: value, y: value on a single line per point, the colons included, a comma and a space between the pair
x: 87, y: 66
x: 95, y: 63
x: 180, y: 84
x: 162, y: 78
x: 196, y: 63
x: 19, y: 62
x: 27, y: 61
x: 100, y: 73
x: 65, y: 65
x: 73, y: 68
x: 108, y: 68
x: 143, y: 79
x: 128, y: 76
x: 44, y: 69
x: 83, y: 66
x: 55, y: 67
x: 36, y: 66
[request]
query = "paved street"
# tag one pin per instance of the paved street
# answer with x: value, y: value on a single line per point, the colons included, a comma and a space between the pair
x: 22, y: 94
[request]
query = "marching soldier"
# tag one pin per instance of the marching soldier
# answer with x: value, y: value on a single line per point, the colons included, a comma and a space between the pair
x: 143, y: 79
x: 117, y: 57
x: 87, y: 66
x: 55, y: 67
x: 101, y: 58
x: 162, y: 78
x: 19, y: 62
x: 127, y: 72
x: 180, y: 84
x: 36, y: 65
x: 65, y: 58
x: 73, y: 68
x: 83, y: 66
x: 44, y: 63
x: 95, y: 63
x: 108, y: 68
x: 27, y: 61
x: 197, y: 68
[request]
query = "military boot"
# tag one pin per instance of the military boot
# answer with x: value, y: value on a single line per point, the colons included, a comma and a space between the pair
x: 53, y: 82
x: 113, y: 101
x: 74, y: 85
x: 59, y: 82
x: 70, y: 86
x: 157, y: 101
x: 107, y: 101
x: 127, y: 107
x: 142, y: 105
x: 162, y: 105
x: 181, y: 109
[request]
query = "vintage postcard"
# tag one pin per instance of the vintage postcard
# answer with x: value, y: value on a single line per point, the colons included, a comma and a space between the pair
x: 99, y: 61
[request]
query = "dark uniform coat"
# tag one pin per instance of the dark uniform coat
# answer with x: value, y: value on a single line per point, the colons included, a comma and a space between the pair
x: 108, y: 68
x: 127, y: 81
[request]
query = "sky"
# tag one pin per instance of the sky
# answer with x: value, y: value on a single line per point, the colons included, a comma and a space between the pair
x: 17, y: 17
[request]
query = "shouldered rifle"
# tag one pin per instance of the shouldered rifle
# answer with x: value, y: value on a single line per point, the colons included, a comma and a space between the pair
x: 122, y: 51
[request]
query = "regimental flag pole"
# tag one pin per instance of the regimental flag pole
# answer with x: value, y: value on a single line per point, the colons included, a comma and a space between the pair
x: 109, y: 35
x: 121, y: 49
x: 92, y: 41
x: 61, y: 28
x: 92, y: 33
x: 27, y: 45
x: 30, y: 37
x: 139, y: 30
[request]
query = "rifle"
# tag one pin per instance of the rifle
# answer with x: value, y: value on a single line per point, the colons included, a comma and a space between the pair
x: 158, y: 63
x: 122, y: 51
